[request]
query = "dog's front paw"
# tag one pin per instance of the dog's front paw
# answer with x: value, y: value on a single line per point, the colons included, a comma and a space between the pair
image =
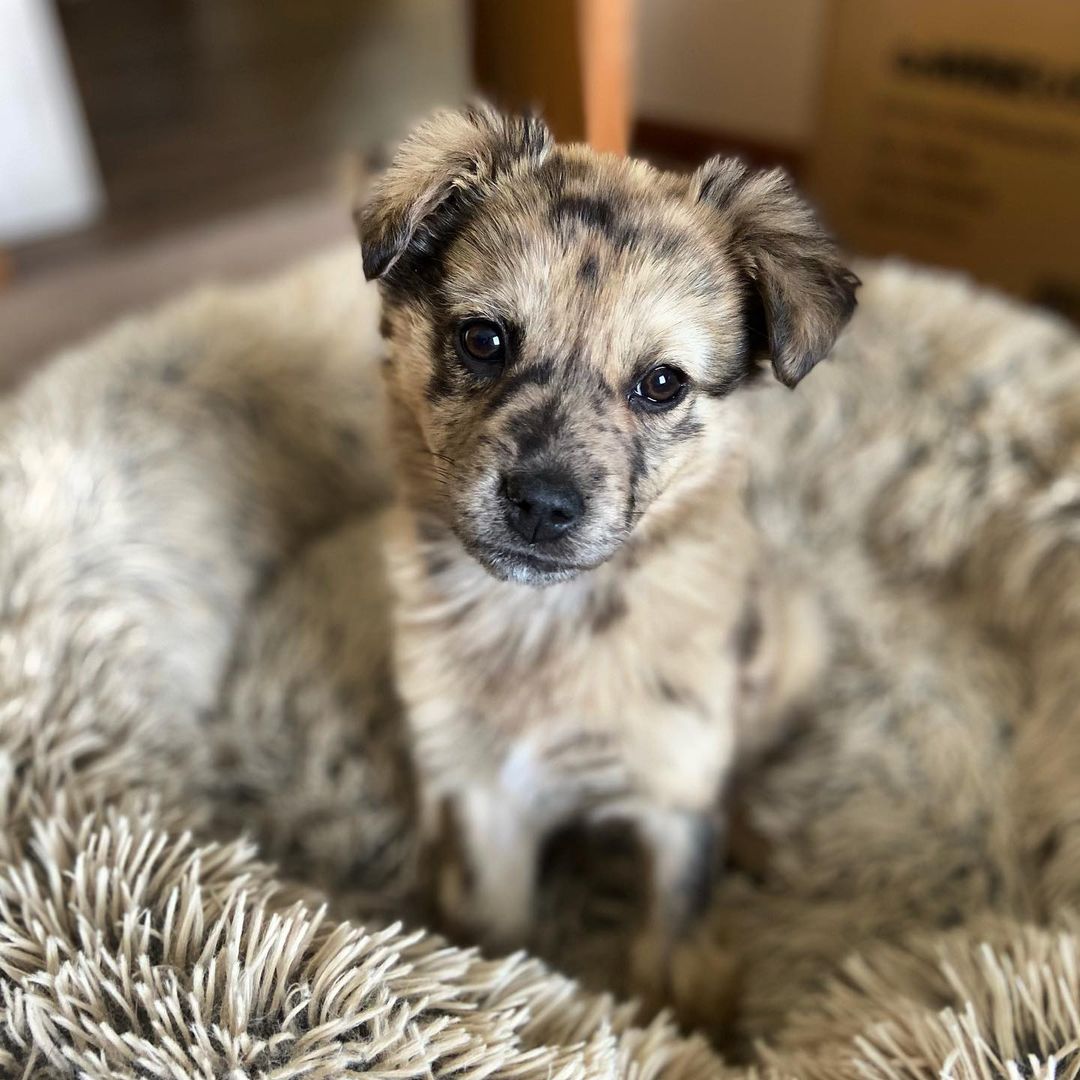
x: 649, y: 975
x: 478, y: 916
x: 482, y: 866
x: 704, y: 983
x: 690, y: 977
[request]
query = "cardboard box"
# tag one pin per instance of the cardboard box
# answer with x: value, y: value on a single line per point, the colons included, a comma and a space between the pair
x: 950, y: 133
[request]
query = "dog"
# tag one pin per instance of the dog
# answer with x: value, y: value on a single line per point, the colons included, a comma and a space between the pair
x: 582, y: 606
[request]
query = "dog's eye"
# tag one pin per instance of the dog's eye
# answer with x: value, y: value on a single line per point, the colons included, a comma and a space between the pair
x: 482, y: 346
x: 661, y: 387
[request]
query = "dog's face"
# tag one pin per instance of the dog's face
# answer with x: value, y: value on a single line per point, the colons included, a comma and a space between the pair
x: 566, y: 328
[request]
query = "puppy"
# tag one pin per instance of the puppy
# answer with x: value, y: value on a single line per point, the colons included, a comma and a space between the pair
x: 579, y: 590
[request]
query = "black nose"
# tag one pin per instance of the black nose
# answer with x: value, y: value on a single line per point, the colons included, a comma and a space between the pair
x: 541, y: 506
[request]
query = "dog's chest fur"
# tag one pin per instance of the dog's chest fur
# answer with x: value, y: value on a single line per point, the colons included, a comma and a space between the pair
x: 615, y: 686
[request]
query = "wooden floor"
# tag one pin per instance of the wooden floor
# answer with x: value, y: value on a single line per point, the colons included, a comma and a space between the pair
x: 63, y: 305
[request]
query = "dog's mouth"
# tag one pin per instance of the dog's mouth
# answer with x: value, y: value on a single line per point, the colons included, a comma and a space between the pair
x: 527, y: 567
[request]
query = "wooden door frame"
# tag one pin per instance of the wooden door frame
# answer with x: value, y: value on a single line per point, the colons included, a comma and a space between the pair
x: 570, y: 59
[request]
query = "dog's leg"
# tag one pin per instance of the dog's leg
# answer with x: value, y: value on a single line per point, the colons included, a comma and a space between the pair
x: 683, y: 851
x: 490, y: 894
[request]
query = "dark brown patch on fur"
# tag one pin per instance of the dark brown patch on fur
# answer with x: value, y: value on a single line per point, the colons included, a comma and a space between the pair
x: 439, y: 386
x: 702, y: 871
x: 534, y: 429
x: 461, y: 613
x: 688, y: 426
x: 557, y: 169
x: 447, y: 858
x: 1048, y: 848
x: 638, y: 464
x: 671, y: 245
x: 447, y: 374
x: 726, y: 384
x: 682, y: 699
x: 175, y: 371
x: 597, y: 214
x: 748, y: 631
x: 430, y: 531
x: 589, y: 270
x: 349, y: 440
x: 436, y: 561
x: 608, y: 607
x: 667, y: 691
x: 591, y: 210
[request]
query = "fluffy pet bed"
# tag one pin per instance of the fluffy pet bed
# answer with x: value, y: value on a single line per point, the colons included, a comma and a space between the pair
x: 207, y: 866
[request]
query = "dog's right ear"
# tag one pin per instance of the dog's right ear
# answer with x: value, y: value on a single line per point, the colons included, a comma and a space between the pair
x: 449, y: 160
x: 806, y: 293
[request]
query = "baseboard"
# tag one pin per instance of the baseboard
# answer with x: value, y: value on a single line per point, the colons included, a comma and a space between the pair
x: 675, y: 143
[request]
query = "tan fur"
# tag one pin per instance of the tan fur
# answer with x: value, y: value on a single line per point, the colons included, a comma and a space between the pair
x: 614, y: 690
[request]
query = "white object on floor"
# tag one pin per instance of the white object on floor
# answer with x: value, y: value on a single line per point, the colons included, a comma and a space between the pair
x: 48, y: 178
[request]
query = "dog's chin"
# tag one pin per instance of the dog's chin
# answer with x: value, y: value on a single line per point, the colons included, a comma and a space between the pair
x: 523, y: 567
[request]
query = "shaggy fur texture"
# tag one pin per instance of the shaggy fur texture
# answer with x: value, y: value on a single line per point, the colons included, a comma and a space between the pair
x: 579, y: 592
x: 192, y: 642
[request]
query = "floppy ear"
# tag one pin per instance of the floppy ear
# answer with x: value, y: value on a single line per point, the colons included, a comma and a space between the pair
x: 805, y: 292
x: 448, y: 160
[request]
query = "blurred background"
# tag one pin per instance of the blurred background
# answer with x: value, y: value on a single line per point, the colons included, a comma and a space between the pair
x: 149, y: 144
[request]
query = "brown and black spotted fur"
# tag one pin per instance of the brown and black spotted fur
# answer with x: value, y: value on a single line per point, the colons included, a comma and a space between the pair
x: 615, y: 689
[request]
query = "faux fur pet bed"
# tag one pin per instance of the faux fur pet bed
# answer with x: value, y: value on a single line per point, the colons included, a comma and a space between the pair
x: 193, y: 646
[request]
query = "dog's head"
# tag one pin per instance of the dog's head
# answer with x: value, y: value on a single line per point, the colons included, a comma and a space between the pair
x: 566, y: 328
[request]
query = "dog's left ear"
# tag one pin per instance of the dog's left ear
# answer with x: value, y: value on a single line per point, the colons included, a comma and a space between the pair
x: 805, y: 292
x: 448, y: 161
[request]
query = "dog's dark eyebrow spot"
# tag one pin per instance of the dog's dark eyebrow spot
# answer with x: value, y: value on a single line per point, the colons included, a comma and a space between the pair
x: 538, y: 373
x: 385, y: 325
x: 722, y: 386
x: 589, y: 270
x: 732, y: 373
x: 609, y: 607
